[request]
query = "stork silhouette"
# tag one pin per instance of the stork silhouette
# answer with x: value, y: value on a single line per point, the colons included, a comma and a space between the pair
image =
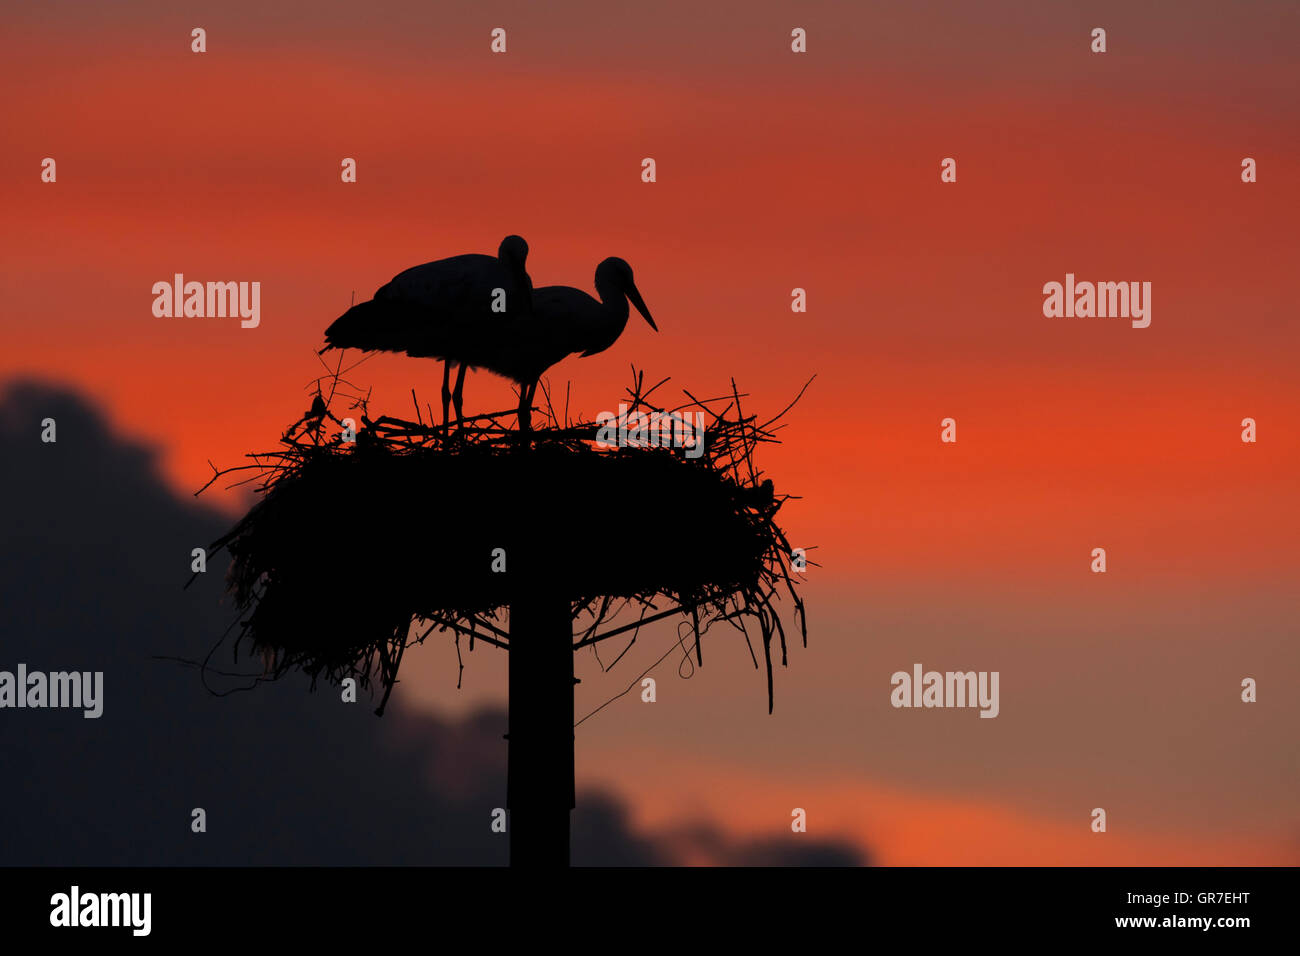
x: 442, y: 310
x: 564, y: 320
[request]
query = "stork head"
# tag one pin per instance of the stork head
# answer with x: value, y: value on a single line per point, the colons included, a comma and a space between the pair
x: 615, y: 273
x: 513, y: 252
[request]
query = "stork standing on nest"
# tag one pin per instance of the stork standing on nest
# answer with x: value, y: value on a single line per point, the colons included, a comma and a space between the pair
x: 444, y: 309
x: 437, y: 310
x: 564, y: 320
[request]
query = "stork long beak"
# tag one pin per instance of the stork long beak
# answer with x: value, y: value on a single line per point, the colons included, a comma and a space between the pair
x: 639, y: 302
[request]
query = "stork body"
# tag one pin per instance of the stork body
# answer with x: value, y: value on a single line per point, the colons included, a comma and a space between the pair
x: 564, y: 320
x: 443, y: 310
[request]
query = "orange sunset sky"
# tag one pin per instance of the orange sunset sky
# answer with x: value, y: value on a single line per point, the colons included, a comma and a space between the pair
x: 775, y: 170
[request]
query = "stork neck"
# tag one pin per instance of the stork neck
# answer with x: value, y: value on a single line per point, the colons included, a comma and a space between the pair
x: 613, y: 299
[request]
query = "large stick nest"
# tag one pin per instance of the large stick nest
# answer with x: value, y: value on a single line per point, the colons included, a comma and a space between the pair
x: 359, y: 548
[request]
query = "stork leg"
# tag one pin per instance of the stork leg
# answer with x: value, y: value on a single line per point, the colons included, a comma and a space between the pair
x: 446, y: 391
x: 526, y: 406
x: 457, y: 396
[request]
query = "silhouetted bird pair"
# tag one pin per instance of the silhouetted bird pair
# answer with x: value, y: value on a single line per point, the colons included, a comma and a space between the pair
x: 480, y: 311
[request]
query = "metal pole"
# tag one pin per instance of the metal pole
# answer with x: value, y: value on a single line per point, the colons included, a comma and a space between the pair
x: 540, y: 788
